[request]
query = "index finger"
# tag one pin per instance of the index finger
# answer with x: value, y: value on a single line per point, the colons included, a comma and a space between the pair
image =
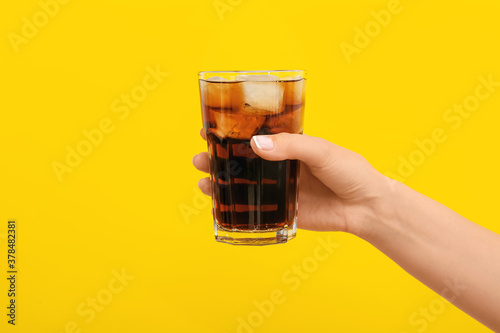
x: 203, y: 136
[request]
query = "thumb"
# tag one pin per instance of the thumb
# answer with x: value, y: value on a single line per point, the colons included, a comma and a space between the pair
x: 313, y: 151
x: 340, y: 169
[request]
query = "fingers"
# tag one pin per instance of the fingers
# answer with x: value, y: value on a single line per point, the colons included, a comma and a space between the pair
x: 204, y: 185
x: 200, y: 162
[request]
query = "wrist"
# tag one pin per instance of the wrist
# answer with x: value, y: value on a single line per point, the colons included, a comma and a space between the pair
x: 381, y: 217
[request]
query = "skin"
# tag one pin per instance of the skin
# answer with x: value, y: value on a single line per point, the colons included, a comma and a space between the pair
x: 341, y: 191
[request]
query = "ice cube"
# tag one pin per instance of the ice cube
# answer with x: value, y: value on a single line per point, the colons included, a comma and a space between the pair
x: 221, y: 94
x: 263, y: 93
x: 294, y: 91
x: 237, y: 125
x: 260, y: 78
x: 216, y: 79
x: 290, y: 122
x: 291, y: 78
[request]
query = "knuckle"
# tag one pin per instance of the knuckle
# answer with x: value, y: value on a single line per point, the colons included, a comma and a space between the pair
x: 327, y: 156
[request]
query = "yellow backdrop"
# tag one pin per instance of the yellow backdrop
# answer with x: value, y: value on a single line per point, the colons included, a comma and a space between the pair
x: 99, y: 121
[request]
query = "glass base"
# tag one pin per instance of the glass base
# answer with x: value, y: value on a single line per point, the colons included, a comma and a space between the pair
x: 247, y: 237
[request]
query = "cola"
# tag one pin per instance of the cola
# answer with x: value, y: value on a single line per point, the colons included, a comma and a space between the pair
x: 251, y: 195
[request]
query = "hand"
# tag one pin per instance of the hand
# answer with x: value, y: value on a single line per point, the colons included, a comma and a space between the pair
x: 338, y: 190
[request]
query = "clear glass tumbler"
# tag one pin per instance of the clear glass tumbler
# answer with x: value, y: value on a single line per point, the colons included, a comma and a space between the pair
x: 254, y: 200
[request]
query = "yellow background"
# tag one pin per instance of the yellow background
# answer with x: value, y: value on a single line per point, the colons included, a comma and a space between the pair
x: 120, y: 208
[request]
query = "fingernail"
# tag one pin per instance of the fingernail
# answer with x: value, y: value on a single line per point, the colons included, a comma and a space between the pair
x: 194, y: 157
x: 263, y: 142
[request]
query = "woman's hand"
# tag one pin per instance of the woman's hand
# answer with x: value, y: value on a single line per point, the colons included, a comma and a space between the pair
x: 338, y: 191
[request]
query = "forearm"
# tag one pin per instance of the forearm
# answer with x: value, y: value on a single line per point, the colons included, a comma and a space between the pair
x: 456, y: 258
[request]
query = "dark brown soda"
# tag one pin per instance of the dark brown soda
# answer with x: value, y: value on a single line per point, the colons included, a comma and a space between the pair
x: 250, y: 193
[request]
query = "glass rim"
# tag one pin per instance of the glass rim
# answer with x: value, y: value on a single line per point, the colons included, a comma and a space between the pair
x: 257, y: 71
